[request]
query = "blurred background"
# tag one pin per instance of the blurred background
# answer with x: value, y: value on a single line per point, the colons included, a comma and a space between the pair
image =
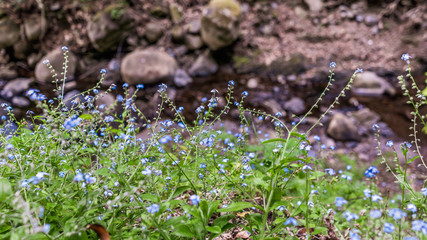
x: 278, y: 51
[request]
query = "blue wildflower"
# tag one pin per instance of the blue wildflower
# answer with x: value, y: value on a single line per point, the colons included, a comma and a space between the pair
x: 411, y: 207
x: 388, y: 227
x: 153, y: 208
x: 339, y: 201
x: 376, y: 198
x: 332, y: 64
x: 396, y: 213
x: 417, y: 225
x: 195, y: 199
x: 70, y: 123
x: 405, y: 57
x: 375, y: 127
x: 292, y: 221
x: 410, y: 238
x: 350, y: 216
x: 354, y: 235
x: 389, y: 143
x: 330, y: 171
x: 375, y: 213
x: 78, y: 177
x: 371, y: 172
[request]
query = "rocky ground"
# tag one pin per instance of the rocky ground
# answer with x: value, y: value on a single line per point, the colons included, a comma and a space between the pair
x: 278, y: 51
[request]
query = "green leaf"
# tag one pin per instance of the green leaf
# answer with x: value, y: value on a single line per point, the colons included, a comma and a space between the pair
x: 213, y: 206
x: 214, y: 229
x: 222, y: 220
x: 204, y: 207
x: 277, y: 195
x: 298, y: 135
x: 412, y: 159
x: 274, y: 140
x: 289, y: 159
x: 318, y: 230
x: 150, y: 197
x: 257, y: 219
x: 5, y: 189
x: 316, y: 174
x: 174, y: 221
x: 86, y: 116
x: 102, y: 172
x: 183, y: 231
x: 236, y: 206
x: 260, y: 181
x: 180, y: 190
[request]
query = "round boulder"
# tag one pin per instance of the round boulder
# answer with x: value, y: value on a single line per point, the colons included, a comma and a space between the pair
x: 107, y: 28
x: 147, y: 66
x: 342, y: 128
x: 10, y: 33
x: 220, y: 23
x: 56, y: 59
x: 369, y: 84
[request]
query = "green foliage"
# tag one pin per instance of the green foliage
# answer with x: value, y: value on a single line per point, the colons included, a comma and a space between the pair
x: 171, y: 178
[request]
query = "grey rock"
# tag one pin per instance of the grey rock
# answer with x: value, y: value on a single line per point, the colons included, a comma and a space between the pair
x: 178, y: 34
x: 34, y: 27
x: 193, y: 42
x: 180, y: 51
x: 113, y: 73
x: 295, y: 105
x: 272, y: 105
x: 369, y: 84
x: 154, y: 31
x: 314, y: 5
x: 181, y: 78
x: 70, y: 96
x: 252, y: 83
x: 105, y: 30
x: 106, y: 99
x: 20, y: 102
x: 6, y: 72
x: 371, y: 20
x: 342, y: 128
x: 204, y: 65
x: 10, y: 33
x: 21, y: 49
x: 176, y: 13
x: 296, y: 64
x: 160, y: 11
x: 193, y: 27
x: 56, y: 59
x: 33, y: 58
x: 70, y: 85
x: 15, y: 87
x: 220, y: 23
x: 366, y: 117
x: 147, y: 66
